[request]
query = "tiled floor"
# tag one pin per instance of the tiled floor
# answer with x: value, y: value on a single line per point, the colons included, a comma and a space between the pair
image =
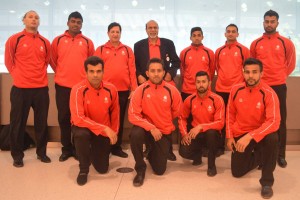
x: 57, y: 180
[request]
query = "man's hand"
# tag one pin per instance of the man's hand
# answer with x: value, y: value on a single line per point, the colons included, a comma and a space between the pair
x: 243, y: 142
x: 130, y: 95
x: 230, y: 144
x: 112, y: 135
x: 168, y: 77
x: 156, y: 134
x: 186, y: 140
x: 195, y: 131
x: 141, y: 79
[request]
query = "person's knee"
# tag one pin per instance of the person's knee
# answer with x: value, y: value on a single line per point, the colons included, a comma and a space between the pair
x: 271, y: 139
x: 183, y: 152
x: 137, y: 134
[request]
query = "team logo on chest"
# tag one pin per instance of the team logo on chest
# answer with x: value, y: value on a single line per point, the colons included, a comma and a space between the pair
x: 105, y: 100
x: 258, y: 105
x: 66, y: 41
x: 88, y: 102
x: 223, y: 53
x: 165, y: 98
x: 107, y: 52
x: 241, y: 100
x: 261, y: 47
x: 41, y: 48
x: 80, y: 43
x: 277, y: 48
x: 209, y: 108
x: 190, y: 57
x: 123, y: 53
x: 203, y: 58
x: 148, y: 96
x: 25, y: 45
x: 236, y: 54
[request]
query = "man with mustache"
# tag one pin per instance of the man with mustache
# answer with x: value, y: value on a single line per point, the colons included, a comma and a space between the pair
x: 252, y: 121
x: 153, y: 107
x: 277, y: 53
x: 156, y: 47
x: 208, y: 113
x: 69, y: 51
x: 94, y: 106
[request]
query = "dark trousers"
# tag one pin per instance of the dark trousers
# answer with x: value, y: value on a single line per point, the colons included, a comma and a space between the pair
x: 64, y: 117
x: 194, y: 150
x: 158, y: 152
x: 91, y: 148
x: 263, y: 152
x: 225, y: 97
x: 123, y: 100
x: 281, y: 91
x: 21, y: 100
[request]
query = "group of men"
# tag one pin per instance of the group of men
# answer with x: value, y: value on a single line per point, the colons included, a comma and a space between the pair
x: 93, y: 88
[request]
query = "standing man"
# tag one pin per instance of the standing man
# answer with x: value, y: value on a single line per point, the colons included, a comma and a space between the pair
x: 156, y: 47
x: 208, y: 112
x: 120, y: 71
x: 229, y: 60
x: 27, y: 55
x: 194, y: 58
x: 95, y: 119
x: 69, y: 51
x: 278, y: 56
x: 153, y: 106
x: 253, y: 117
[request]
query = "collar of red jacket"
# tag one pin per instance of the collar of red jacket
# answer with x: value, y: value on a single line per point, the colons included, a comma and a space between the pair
x: 274, y: 35
x: 231, y: 44
x: 30, y: 34
x: 156, y: 44
x: 109, y: 45
x: 206, y: 96
x: 155, y: 85
x: 91, y: 87
x: 69, y: 35
x: 196, y: 47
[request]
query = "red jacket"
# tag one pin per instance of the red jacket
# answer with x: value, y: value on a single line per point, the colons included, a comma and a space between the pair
x: 194, y: 59
x: 208, y: 111
x: 95, y: 109
x: 229, y: 60
x: 278, y: 56
x: 26, y: 58
x: 252, y: 110
x: 68, y: 54
x: 155, y: 106
x: 119, y: 66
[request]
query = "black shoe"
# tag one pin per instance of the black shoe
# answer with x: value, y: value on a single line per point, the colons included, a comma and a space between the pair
x: 82, y: 178
x: 282, y: 162
x: 266, y: 192
x: 211, y: 171
x: 197, y: 162
x: 64, y: 156
x: 44, y: 159
x: 171, y: 156
x: 139, y: 179
x: 220, y: 152
x: 119, y: 153
x: 18, y: 163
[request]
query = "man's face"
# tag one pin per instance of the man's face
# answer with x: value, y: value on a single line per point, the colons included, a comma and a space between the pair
x: 114, y: 34
x: 202, y: 84
x: 270, y: 24
x: 196, y: 37
x: 252, y: 75
x: 75, y: 25
x: 152, y: 29
x: 155, y: 73
x: 94, y: 75
x: 31, y: 20
x: 231, y: 34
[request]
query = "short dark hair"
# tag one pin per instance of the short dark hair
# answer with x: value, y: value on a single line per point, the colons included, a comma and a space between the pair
x: 271, y: 13
x: 202, y: 73
x: 75, y: 15
x: 155, y: 60
x: 93, y: 60
x: 196, y: 29
x: 233, y: 26
x: 253, y: 61
x: 113, y: 24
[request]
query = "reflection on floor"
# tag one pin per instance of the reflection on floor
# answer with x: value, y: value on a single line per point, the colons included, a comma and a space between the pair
x: 182, y: 180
